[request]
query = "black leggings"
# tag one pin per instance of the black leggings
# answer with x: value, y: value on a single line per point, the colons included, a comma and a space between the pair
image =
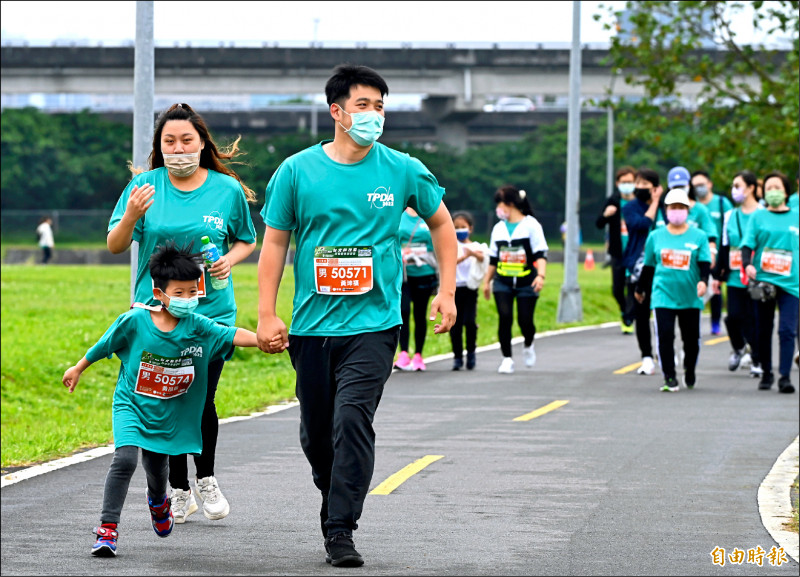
x: 416, y: 292
x: 689, y: 323
x: 526, y: 306
x: 640, y: 312
x: 741, y: 321
x: 466, y: 307
x: 209, y: 428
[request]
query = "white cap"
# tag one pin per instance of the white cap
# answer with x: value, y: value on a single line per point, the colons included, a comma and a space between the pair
x: 677, y: 196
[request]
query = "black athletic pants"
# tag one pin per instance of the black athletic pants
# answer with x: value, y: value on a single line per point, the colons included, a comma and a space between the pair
x: 339, y: 385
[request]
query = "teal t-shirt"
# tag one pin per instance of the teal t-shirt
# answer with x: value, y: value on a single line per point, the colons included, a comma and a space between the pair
x: 623, y: 228
x: 793, y: 202
x: 773, y: 238
x: 698, y: 218
x: 351, y: 211
x: 717, y: 216
x: 414, y: 237
x: 218, y: 209
x: 736, y: 223
x: 163, y: 376
x: 675, y: 258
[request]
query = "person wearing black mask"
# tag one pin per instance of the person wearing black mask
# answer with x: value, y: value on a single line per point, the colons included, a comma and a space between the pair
x: 639, y: 215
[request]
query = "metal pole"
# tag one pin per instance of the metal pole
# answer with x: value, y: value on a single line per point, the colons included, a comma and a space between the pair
x: 570, y: 308
x: 143, y: 89
x: 610, y: 140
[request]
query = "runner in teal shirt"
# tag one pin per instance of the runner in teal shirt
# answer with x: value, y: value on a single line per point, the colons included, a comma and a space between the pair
x: 419, y: 282
x: 675, y: 273
x: 740, y: 318
x: 344, y: 199
x: 165, y: 353
x: 217, y: 209
x: 770, y: 254
x: 360, y: 205
x: 189, y: 193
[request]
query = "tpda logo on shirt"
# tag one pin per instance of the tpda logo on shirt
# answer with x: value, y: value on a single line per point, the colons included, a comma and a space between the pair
x: 380, y: 197
x: 214, y: 220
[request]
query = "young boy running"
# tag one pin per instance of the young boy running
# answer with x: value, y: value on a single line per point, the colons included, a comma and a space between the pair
x: 161, y: 387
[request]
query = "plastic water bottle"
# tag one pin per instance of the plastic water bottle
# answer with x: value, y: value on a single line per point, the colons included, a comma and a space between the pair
x: 211, y: 255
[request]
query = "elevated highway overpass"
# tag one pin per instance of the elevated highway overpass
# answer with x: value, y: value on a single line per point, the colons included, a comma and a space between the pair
x: 456, y: 82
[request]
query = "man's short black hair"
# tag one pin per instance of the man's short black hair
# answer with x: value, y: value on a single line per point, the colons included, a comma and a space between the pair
x: 649, y: 175
x: 345, y: 76
x: 172, y: 262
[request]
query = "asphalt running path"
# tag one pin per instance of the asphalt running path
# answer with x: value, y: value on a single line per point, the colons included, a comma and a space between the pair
x: 566, y: 468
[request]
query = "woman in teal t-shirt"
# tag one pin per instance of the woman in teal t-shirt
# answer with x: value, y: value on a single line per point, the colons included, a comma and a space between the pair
x: 189, y: 193
x: 677, y: 262
x: 740, y: 317
x: 770, y: 254
x: 420, y: 281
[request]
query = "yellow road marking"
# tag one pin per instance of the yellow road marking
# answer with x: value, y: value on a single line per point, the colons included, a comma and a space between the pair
x: 541, y: 411
x: 628, y: 369
x: 394, y: 481
x: 716, y: 341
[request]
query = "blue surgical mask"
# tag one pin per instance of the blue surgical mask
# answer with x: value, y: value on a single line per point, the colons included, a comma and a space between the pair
x: 701, y: 190
x: 462, y: 234
x: 626, y: 188
x: 180, y: 307
x: 366, y: 128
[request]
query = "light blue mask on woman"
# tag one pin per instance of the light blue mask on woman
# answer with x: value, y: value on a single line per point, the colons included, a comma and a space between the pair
x: 367, y: 126
x: 179, y: 307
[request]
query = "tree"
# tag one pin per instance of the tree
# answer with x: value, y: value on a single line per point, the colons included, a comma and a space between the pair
x: 746, y: 113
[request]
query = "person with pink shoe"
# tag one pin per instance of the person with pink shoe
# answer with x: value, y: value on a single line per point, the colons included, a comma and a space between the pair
x: 420, y: 281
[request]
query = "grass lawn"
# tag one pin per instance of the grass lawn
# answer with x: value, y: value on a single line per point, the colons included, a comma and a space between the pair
x: 52, y: 315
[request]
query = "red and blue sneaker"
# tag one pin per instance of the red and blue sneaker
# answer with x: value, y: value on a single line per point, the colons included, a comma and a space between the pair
x: 161, y: 516
x: 106, y: 544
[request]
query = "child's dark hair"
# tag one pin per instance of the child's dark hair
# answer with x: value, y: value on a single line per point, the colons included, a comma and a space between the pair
x: 345, y: 76
x: 172, y: 262
x: 464, y: 215
x: 513, y: 196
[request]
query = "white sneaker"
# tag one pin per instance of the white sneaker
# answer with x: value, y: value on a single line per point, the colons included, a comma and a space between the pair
x: 507, y: 366
x: 215, y: 505
x: 745, y: 361
x: 648, y: 367
x: 183, y: 504
x: 530, y: 356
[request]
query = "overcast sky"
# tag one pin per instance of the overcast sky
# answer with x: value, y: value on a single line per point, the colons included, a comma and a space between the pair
x: 303, y: 22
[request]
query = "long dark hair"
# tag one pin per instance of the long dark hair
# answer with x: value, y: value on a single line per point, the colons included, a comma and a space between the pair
x: 210, y: 157
x: 514, y: 196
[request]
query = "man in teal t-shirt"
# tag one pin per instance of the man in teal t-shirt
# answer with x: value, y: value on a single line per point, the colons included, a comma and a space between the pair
x: 344, y: 199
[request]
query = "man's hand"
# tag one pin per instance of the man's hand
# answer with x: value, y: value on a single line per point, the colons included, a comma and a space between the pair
x: 446, y: 305
x: 610, y: 210
x: 272, y: 335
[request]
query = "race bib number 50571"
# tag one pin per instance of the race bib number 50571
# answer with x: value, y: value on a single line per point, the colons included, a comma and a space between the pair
x: 343, y: 270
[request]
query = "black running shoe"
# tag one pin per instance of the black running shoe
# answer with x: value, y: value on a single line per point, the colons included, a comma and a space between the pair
x: 342, y: 551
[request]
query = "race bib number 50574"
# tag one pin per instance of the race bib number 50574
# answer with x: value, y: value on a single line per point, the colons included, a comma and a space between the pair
x: 164, y: 377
